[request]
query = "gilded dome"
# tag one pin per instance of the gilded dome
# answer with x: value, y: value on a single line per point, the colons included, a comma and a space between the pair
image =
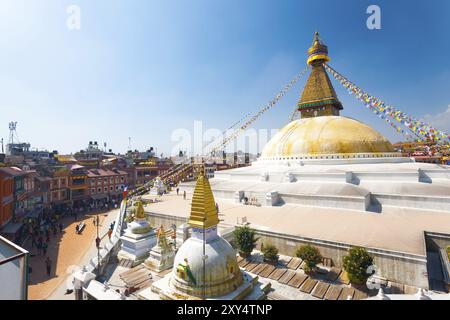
x: 325, y: 135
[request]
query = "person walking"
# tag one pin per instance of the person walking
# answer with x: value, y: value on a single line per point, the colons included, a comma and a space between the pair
x: 47, y: 235
x: 184, y: 195
x: 178, y: 191
x: 97, y: 242
x: 93, y: 220
x: 48, y: 265
x: 44, y: 248
x: 60, y: 227
x: 97, y: 221
x: 109, y: 233
x: 217, y: 207
x: 39, y: 247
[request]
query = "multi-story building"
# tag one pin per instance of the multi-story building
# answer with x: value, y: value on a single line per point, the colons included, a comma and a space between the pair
x: 31, y: 198
x: 19, y: 188
x: 42, y: 186
x: 6, y: 196
x: 107, y: 184
x: 12, y: 212
x: 149, y: 169
x: 78, y: 185
x: 59, y: 185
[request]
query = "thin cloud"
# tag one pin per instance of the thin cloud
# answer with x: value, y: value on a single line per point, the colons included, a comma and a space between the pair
x: 440, y: 120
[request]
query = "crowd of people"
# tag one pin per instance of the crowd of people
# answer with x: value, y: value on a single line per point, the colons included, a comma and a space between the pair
x: 49, y: 224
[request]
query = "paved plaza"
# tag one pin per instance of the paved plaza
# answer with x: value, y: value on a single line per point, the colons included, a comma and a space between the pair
x: 67, y: 252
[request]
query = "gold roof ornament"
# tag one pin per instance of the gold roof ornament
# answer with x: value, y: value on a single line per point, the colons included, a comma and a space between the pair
x: 318, y: 50
x: 318, y: 97
x: 162, y: 241
x: 139, y: 210
x: 203, y: 208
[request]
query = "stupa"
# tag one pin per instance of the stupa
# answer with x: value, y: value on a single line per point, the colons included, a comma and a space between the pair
x: 333, y: 182
x: 328, y: 160
x: 205, y: 266
x: 158, y: 187
x: 162, y: 255
x: 139, y: 237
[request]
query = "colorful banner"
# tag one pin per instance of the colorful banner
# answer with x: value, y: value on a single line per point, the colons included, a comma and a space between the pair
x: 394, y: 117
x: 273, y: 102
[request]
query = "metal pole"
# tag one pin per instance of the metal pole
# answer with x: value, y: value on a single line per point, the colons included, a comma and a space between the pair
x: 98, y: 247
x: 204, y: 258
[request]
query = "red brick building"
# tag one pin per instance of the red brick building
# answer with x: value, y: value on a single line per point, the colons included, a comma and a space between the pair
x: 106, y: 184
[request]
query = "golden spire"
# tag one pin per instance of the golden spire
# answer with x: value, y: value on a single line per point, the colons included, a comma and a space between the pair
x: 318, y: 97
x: 203, y: 209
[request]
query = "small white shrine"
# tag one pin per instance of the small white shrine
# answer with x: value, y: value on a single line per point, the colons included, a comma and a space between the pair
x: 162, y: 255
x: 139, y: 237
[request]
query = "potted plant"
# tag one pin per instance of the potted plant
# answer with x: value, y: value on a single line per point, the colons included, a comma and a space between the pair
x: 245, y: 239
x: 356, y: 264
x: 270, y: 253
x: 310, y: 256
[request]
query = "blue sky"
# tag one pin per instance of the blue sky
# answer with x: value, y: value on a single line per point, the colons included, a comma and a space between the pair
x: 142, y: 69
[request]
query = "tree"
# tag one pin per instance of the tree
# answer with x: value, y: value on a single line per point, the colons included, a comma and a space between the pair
x: 270, y: 253
x: 310, y: 255
x: 245, y: 239
x: 356, y: 263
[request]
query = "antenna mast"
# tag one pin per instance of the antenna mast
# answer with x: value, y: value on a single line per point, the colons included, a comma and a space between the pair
x: 13, y: 132
x: 129, y: 144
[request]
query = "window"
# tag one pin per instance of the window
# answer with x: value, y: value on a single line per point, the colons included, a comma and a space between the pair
x: 78, y: 181
x: 99, y: 190
x: 105, y: 189
x: 93, y: 191
x: 111, y: 188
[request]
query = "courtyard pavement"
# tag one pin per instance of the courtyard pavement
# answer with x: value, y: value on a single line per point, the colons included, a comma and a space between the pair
x: 67, y: 251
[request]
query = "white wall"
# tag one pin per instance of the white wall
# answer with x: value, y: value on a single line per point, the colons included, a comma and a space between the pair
x: 13, y: 278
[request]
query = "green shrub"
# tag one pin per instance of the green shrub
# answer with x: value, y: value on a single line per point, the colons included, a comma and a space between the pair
x: 310, y: 255
x: 356, y: 263
x: 270, y: 252
x: 245, y: 239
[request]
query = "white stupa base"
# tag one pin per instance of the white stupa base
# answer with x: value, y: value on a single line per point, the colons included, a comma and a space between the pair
x: 362, y: 184
x: 136, y: 247
x: 158, y: 261
x: 249, y: 290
